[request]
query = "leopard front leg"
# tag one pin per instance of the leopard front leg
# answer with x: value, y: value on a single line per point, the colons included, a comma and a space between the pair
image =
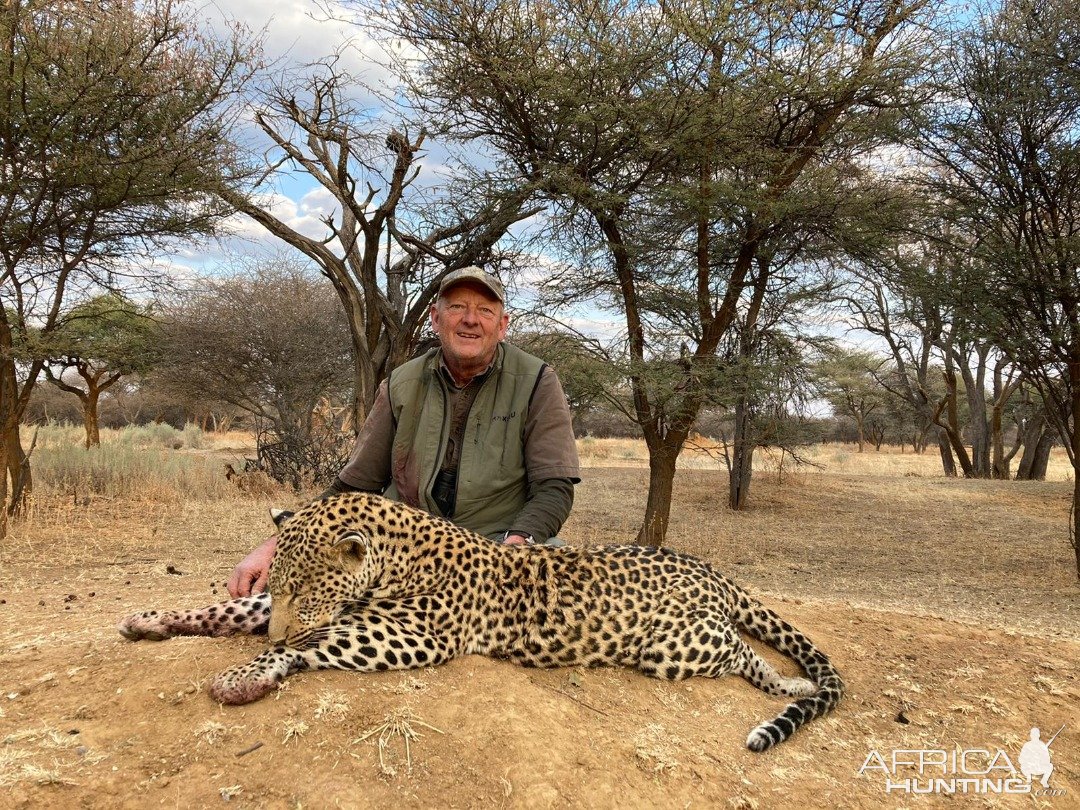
x: 248, y: 682
x: 365, y: 641
x: 250, y: 614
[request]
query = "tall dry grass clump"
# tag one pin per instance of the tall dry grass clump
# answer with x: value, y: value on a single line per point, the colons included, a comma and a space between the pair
x: 153, y: 462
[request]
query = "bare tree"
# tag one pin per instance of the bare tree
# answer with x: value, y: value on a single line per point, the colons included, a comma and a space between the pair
x: 390, y: 240
x: 273, y: 342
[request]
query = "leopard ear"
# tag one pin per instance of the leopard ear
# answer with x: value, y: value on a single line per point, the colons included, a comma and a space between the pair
x: 353, y: 544
x: 279, y: 516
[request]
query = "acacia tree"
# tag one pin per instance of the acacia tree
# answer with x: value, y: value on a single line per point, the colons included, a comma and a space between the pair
x: 851, y: 387
x: 113, y: 137
x: 907, y: 294
x: 727, y: 124
x: 101, y: 341
x: 588, y: 378
x: 1007, y: 154
x: 391, y: 238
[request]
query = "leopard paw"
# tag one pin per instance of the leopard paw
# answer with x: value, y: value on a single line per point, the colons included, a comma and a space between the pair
x: 246, y: 683
x: 150, y: 625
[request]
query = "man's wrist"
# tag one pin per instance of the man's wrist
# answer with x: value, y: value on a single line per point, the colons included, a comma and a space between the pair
x: 525, y: 537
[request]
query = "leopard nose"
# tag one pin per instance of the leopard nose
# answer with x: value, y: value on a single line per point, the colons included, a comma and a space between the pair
x: 278, y: 630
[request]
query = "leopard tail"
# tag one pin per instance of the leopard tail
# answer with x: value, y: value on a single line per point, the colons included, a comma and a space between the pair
x: 763, y: 624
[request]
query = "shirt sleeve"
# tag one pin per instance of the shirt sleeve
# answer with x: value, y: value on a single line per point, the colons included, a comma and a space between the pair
x: 550, y: 449
x: 368, y: 468
x: 547, y: 508
x: 551, y: 461
x: 339, y: 487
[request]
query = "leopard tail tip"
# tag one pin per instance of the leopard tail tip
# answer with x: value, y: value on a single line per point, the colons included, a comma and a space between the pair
x: 761, y: 739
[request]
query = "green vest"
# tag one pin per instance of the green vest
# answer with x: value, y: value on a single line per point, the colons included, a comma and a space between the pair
x: 491, y: 480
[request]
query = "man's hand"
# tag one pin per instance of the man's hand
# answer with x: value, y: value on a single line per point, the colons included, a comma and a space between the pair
x: 251, y: 574
x: 514, y: 539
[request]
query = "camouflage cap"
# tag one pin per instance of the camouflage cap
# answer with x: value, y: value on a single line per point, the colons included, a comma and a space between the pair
x: 474, y: 273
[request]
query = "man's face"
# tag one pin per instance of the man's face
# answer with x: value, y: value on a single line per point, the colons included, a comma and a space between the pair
x: 470, y: 322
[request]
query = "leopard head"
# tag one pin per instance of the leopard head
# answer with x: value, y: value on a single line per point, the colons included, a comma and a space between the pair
x: 320, y: 564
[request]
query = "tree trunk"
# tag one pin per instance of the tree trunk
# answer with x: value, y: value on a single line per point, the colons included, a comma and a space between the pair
x: 3, y: 490
x: 9, y: 417
x: 948, y: 463
x: 90, y: 419
x: 979, y: 432
x: 1037, y: 441
x: 1000, y: 466
x: 658, y: 506
x: 18, y: 466
x: 955, y: 438
x: 742, y: 458
x: 1074, y: 438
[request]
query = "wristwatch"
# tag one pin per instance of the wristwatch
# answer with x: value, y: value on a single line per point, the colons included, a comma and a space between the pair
x: 529, y: 541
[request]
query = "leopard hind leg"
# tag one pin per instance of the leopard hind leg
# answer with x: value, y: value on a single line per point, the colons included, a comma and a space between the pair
x: 709, y: 646
x: 250, y: 614
x: 697, y: 644
x: 765, y: 677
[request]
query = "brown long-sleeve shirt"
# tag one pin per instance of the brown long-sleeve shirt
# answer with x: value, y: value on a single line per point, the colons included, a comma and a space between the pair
x: 551, y: 461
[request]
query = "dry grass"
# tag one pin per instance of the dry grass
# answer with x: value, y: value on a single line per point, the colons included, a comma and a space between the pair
x: 880, y: 528
x: 701, y: 453
x: 401, y: 722
x: 864, y: 528
x: 151, y: 462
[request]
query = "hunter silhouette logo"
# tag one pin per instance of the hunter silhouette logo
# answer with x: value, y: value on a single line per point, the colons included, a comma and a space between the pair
x: 1035, y: 757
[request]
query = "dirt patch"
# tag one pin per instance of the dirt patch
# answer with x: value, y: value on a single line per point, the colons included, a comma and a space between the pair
x: 947, y: 605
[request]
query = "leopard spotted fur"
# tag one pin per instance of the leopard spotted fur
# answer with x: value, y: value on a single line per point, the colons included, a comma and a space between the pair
x: 362, y: 583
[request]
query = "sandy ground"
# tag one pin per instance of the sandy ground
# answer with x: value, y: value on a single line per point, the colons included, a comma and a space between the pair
x: 949, y: 606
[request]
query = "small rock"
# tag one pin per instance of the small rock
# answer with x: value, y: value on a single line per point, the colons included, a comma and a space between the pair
x: 171, y: 569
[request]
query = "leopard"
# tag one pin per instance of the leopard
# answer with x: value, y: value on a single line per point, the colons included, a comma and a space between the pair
x: 359, y: 582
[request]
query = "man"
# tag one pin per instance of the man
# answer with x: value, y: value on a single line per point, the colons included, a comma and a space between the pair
x: 475, y: 430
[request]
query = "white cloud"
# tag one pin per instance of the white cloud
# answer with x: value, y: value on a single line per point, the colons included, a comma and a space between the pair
x: 299, y: 32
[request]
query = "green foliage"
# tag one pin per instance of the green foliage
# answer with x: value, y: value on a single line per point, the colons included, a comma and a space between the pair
x: 109, y: 332
x: 850, y: 385
x: 113, y: 134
